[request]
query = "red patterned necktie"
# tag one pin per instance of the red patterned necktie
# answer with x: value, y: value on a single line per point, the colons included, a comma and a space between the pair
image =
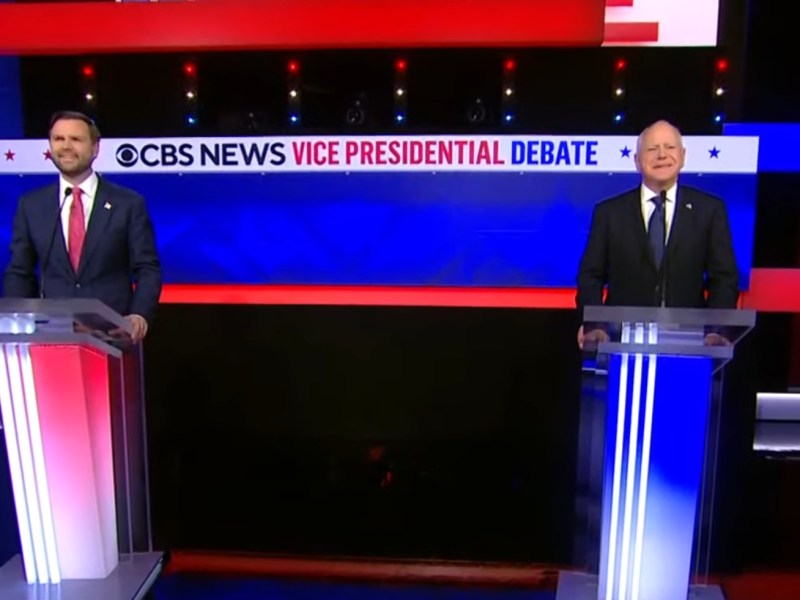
x: 77, y: 229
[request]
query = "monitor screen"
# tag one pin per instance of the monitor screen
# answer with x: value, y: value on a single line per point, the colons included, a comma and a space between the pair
x: 661, y: 22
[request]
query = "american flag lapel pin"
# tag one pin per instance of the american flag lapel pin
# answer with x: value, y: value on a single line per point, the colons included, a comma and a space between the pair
x: 107, y: 206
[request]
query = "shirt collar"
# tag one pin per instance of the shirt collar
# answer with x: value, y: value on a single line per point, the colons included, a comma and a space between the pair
x: 88, y: 187
x: 647, y: 193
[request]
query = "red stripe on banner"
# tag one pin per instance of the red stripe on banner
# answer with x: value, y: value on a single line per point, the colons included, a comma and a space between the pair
x: 612, y: 3
x: 771, y: 290
x: 369, y: 296
x: 774, y: 290
x: 312, y: 24
x: 620, y: 33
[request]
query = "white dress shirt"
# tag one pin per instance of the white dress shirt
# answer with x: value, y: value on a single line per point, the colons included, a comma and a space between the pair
x: 648, y: 207
x: 88, y: 192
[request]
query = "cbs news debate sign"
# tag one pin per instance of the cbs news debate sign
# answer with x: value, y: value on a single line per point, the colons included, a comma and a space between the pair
x: 599, y: 154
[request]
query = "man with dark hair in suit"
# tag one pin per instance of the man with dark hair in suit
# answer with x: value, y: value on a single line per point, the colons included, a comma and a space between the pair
x: 661, y: 244
x: 105, y: 242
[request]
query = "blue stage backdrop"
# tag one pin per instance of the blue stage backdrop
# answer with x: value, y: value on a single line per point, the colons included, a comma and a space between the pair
x: 434, y: 211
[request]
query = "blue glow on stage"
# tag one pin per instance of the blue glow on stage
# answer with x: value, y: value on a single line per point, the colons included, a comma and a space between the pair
x: 197, y: 587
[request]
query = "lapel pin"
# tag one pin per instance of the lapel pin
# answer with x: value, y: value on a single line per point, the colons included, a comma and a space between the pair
x: 107, y: 206
x: 689, y: 206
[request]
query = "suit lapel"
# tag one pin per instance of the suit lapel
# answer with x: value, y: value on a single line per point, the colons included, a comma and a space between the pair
x: 98, y: 220
x: 680, y: 221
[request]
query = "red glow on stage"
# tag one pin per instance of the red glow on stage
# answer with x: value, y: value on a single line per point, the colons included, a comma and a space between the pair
x: 460, y: 573
x: 742, y: 586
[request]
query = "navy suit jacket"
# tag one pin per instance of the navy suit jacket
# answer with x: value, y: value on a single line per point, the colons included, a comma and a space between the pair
x: 699, y: 258
x: 119, y: 250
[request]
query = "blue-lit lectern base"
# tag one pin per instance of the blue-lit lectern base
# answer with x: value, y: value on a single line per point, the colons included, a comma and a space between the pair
x: 656, y: 423
x: 656, y: 420
x: 580, y: 586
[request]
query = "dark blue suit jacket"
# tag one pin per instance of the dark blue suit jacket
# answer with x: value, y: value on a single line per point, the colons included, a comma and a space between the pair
x: 699, y: 257
x: 119, y: 250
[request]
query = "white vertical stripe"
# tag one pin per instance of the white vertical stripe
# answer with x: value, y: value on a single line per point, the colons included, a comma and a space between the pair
x: 15, y: 466
x: 611, y: 564
x: 650, y: 395
x: 631, y: 473
x: 37, y: 447
x: 26, y: 460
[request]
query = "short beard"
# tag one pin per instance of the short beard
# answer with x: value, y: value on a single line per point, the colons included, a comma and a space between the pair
x: 78, y: 169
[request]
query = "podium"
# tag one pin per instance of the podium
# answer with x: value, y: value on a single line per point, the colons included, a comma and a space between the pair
x: 647, y: 451
x: 73, y: 420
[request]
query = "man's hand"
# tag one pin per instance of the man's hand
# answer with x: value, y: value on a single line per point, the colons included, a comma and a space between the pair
x: 595, y: 336
x: 138, y: 325
x: 715, y: 339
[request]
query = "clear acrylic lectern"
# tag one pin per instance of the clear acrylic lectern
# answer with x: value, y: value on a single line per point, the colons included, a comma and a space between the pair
x: 73, y: 422
x: 647, y: 451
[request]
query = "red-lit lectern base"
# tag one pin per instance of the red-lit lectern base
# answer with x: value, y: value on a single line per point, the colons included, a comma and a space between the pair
x: 56, y: 399
x: 74, y: 426
x: 72, y: 389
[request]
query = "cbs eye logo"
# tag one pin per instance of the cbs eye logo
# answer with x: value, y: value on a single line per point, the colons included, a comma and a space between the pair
x: 127, y: 155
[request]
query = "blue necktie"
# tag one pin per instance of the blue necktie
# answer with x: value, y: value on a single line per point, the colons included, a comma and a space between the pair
x: 656, y: 230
